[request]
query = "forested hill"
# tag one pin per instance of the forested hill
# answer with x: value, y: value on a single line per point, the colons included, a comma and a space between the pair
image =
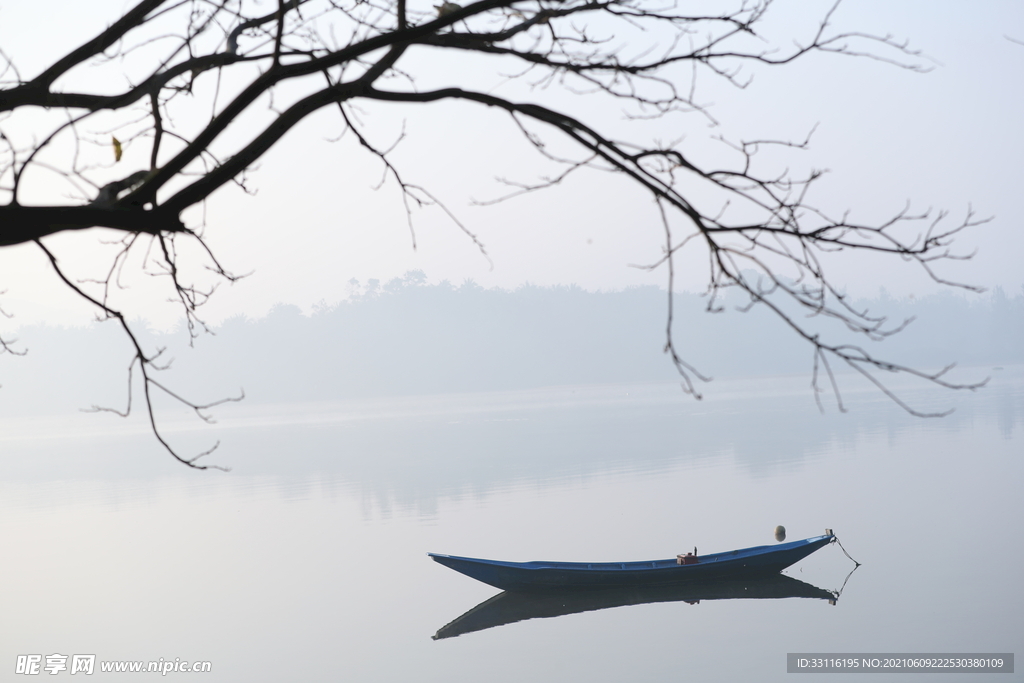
x: 408, y: 337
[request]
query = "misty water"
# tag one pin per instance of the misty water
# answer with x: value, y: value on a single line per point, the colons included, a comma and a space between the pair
x: 308, y: 560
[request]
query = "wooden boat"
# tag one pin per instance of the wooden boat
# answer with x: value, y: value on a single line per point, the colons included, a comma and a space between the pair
x: 540, y: 576
x: 508, y: 608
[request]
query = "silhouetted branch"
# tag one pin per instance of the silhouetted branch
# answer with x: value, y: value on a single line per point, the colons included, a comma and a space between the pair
x: 145, y: 363
x: 629, y: 54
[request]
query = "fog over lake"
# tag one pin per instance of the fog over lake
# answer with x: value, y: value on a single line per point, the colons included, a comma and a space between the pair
x: 536, y: 424
x: 407, y: 338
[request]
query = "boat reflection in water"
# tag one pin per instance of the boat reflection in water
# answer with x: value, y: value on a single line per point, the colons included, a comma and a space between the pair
x: 509, y: 607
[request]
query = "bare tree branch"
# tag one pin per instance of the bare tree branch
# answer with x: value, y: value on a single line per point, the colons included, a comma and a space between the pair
x: 760, y: 232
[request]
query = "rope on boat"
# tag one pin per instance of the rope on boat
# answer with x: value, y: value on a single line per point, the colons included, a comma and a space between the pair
x: 836, y: 539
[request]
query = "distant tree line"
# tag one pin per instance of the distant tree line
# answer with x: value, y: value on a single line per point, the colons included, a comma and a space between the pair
x: 409, y: 337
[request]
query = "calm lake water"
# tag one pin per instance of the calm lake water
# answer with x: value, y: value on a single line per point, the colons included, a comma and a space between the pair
x: 308, y: 560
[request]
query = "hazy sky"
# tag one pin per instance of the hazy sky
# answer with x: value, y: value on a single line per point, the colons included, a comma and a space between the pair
x: 946, y: 139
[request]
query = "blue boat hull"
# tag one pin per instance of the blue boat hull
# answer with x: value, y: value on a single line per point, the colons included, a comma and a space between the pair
x: 540, y: 576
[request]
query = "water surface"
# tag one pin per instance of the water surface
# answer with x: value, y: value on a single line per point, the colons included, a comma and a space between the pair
x: 308, y: 560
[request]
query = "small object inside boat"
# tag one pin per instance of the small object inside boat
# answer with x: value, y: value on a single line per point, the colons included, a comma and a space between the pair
x: 688, y: 558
